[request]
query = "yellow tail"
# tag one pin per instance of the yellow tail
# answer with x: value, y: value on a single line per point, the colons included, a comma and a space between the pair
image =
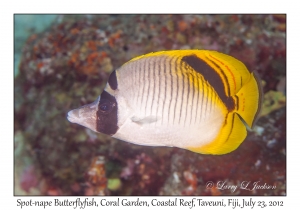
x: 249, y: 98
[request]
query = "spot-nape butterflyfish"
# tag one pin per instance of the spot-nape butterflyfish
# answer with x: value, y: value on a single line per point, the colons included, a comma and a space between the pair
x: 199, y: 100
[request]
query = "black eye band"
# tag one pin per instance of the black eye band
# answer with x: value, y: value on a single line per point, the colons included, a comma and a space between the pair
x: 107, y: 114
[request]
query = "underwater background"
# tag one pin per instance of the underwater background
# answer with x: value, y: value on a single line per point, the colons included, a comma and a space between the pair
x: 63, y: 62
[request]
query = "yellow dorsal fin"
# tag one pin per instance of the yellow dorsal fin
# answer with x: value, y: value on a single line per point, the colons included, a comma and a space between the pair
x: 233, y: 72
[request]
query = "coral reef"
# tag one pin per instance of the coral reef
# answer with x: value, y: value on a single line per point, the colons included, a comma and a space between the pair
x: 67, y: 66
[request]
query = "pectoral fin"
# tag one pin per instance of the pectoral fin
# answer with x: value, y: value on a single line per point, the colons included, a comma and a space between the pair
x: 144, y: 120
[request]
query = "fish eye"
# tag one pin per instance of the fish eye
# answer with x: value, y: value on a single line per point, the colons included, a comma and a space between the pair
x: 105, y: 106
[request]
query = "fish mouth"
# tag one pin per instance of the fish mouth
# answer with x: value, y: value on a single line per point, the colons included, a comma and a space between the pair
x: 85, y: 115
x: 73, y: 116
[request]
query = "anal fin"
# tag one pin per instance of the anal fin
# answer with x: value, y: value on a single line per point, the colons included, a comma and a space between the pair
x: 231, y: 135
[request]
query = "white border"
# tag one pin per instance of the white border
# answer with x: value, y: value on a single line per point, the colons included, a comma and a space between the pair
x: 8, y: 201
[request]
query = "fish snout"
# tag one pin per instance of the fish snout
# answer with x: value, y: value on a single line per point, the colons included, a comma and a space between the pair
x: 85, y: 115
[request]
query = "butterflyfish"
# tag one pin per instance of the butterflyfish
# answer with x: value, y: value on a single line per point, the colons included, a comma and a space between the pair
x: 198, y: 100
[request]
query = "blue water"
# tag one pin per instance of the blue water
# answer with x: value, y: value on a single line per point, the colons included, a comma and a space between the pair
x: 24, y: 26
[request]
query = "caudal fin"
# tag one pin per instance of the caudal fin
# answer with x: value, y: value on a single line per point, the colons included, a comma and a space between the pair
x: 249, y: 99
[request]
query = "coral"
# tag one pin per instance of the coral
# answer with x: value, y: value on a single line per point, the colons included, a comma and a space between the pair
x: 29, y: 179
x: 191, y: 179
x: 114, y: 184
x: 96, y: 177
x: 273, y: 100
